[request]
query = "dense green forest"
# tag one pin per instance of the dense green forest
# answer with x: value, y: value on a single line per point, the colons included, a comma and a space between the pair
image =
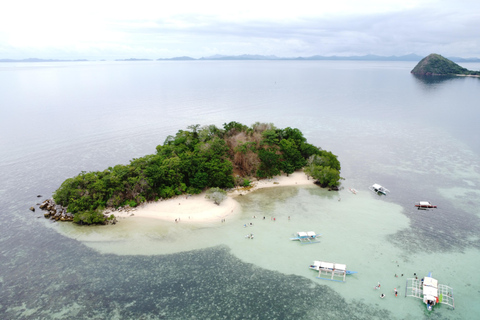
x: 194, y: 160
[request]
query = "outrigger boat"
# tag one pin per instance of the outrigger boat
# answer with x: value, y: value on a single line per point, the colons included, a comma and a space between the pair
x: 424, y: 205
x: 331, y: 271
x: 378, y: 189
x: 307, y: 237
x: 430, y: 291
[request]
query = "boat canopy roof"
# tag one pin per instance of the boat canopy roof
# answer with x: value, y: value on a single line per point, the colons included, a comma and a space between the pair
x: 326, y: 265
x: 430, y: 291
x: 430, y: 282
x: 302, y: 234
x: 341, y: 267
x: 424, y: 203
x: 330, y: 265
x: 311, y: 233
x: 376, y: 186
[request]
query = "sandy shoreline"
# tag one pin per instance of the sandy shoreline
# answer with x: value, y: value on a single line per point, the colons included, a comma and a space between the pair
x: 196, y: 208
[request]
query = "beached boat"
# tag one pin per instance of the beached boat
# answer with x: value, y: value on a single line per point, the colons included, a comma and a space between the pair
x: 424, y: 205
x: 331, y: 271
x: 306, y: 237
x: 378, y: 189
x: 429, y: 291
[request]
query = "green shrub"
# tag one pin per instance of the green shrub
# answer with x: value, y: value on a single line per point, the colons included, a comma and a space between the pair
x: 131, y: 203
x: 89, y: 217
x: 216, y: 194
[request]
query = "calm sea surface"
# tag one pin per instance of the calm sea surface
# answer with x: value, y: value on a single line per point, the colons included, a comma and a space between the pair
x: 417, y: 137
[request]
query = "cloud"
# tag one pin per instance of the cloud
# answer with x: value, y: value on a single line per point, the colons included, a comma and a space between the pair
x: 113, y: 29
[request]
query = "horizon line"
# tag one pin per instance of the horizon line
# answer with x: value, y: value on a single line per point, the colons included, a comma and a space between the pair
x: 370, y: 57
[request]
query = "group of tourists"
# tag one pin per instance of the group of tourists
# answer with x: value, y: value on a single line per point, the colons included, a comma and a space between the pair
x: 383, y: 295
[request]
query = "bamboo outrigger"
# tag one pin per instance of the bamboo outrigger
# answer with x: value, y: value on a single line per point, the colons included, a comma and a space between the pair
x: 430, y: 291
x: 331, y: 271
x: 307, y: 237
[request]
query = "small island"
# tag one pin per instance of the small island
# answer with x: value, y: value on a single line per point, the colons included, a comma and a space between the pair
x: 436, y: 65
x: 189, y: 163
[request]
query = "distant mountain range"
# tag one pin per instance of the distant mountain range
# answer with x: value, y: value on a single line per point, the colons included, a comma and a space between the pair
x: 369, y: 57
x: 39, y: 60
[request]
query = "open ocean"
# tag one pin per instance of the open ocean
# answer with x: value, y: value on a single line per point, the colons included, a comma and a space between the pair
x: 420, y: 138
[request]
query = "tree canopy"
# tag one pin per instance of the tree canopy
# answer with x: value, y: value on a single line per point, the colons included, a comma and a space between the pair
x: 195, y: 160
x: 324, y: 167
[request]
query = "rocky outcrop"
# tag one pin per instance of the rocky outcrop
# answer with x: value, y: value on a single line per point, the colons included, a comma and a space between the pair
x: 57, y: 212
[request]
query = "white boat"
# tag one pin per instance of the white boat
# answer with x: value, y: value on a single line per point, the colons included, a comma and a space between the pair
x: 424, y: 205
x: 378, y: 189
x: 331, y: 271
x: 306, y: 237
x: 430, y: 291
x: 353, y: 190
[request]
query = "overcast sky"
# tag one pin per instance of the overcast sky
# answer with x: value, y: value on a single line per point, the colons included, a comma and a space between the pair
x: 116, y: 29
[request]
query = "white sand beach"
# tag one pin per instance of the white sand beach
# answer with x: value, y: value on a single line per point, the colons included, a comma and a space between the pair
x: 196, y: 208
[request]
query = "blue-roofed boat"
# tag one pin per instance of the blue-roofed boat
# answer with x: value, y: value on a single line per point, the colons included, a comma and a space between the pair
x: 331, y: 271
x: 307, y: 237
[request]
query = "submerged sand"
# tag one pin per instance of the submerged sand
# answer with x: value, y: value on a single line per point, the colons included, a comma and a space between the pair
x: 196, y: 208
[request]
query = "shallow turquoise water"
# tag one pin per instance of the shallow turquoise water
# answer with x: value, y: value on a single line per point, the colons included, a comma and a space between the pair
x: 417, y: 138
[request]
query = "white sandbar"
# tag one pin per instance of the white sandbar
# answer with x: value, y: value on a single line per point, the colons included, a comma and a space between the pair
x: 196, y: 208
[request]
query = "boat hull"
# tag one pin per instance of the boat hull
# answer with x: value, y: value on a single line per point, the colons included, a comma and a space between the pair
x: 379, y: 189
x: 424, y: 205
x: 312, y: 267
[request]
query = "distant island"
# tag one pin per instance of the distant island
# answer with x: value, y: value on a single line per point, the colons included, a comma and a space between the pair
x: 133, y: 59
x: 368, y: 57
x: 41, y: 60
x: 191, y: 162
x: 436, y: 65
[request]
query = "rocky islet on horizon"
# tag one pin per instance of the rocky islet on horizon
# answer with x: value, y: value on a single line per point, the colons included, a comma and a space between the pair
x: 436, y: 65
